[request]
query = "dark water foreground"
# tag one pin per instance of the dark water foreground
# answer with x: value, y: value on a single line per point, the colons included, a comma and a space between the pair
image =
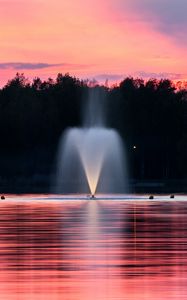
x: 87, y: 250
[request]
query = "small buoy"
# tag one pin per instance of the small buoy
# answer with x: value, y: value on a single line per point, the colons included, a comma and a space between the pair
x: 2, y: 197
x: 151, y: 197
x: 172, y: 196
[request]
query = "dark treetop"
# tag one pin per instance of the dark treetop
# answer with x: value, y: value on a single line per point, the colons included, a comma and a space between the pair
x: 151, y: 115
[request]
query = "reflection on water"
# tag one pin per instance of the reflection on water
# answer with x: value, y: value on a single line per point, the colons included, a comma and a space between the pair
x: 86, y: 250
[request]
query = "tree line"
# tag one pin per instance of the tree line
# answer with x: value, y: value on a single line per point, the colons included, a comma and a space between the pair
x: 151, y: 117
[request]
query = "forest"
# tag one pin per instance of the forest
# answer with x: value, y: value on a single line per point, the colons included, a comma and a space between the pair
x: 150, y: 116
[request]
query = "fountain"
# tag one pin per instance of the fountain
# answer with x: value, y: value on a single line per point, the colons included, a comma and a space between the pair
x: 91, y: 159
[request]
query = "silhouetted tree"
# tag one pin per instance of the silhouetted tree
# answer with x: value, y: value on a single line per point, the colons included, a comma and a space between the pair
x: 149, y: 114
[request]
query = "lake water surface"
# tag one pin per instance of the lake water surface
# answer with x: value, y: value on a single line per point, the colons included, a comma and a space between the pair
x: 52, y: 248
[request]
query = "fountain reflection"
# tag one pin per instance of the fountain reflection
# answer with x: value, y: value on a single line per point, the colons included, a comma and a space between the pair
x: 93, y: 250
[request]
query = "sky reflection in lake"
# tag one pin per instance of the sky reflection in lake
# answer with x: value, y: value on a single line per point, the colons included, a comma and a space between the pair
x: 86, y: 250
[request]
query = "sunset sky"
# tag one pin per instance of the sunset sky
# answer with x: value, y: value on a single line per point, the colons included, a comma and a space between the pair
x: 107, y: 39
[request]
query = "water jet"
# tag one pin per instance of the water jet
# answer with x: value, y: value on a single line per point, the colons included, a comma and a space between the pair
x: 91, y: 158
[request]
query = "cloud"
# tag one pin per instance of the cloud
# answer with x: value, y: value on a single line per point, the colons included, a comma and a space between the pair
x: 162, y: 75
x: 167, y: 16
x: 36, y: 66
x: 170, y: 15
x: 26, y: 66
x: 111, y: 77
x: 141, y: 74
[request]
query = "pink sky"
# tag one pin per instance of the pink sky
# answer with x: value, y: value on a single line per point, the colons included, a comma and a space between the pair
x: 92, y: 39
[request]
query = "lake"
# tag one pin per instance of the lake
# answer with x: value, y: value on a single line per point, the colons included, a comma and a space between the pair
x: 78, y: 249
